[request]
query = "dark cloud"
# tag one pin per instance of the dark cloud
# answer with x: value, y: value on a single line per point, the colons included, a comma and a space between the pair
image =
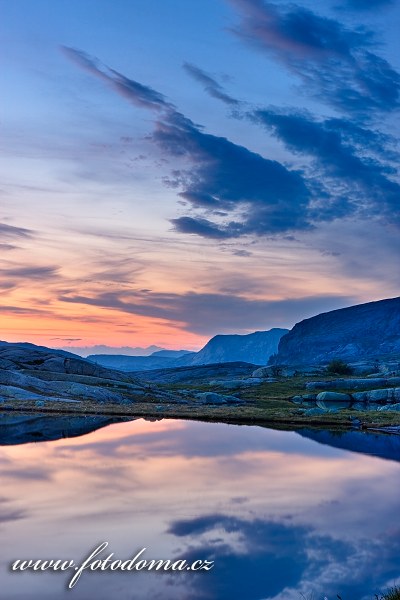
x: 268, y: 197
x: 211, y: 86
x: 199, y: 226
x: 139, y: 94
x: 210, y: 313
x: 9, y: 231
x: 354, y: 162
x: 265, y: 196
x: 261, y: 558
x: 368, y: 4
x: 231, y: 191
x: 253, y: 559
x: 336, y: 63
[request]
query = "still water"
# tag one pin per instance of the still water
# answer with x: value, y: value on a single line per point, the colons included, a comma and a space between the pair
x: 281, y: 514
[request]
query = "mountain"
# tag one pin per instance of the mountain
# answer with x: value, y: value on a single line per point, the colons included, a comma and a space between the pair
x: 158, y: 360
x: 101, y: 349
x: 253, y: 348
x: 364, y: 331
x: 170, y: 353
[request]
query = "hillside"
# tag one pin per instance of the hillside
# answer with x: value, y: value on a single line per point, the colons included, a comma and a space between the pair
x: 253, y: 348
x: 364, y: 331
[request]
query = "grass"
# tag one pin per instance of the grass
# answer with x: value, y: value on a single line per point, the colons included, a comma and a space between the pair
x: 264, y: 404
x: 391, y: 594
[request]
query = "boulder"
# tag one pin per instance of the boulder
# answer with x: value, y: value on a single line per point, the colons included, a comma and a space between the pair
x: 333, y: 405
x: 213, y: 398
x: 351, y: 384
x: 264, y: 372
x: 390, y: 408
x: 381, y: 395
x: 333, y: 397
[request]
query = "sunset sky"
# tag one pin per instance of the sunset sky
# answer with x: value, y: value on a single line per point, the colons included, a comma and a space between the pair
x: 173, y: 170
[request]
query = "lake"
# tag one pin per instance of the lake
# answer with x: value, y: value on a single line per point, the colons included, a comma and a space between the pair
x: 280, y: 514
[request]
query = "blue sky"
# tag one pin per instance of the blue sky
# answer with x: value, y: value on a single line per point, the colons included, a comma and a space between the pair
x: 175, y: 170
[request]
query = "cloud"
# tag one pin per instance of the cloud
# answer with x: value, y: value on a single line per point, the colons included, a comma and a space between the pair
x: 335, y: 63
x: 139, y: 94
x: 20, y: 310
x: 263, y: 558
x: 211, y: 86
x: 208, y: 313
x: 12, y: 515
x: 254, y: 559
x: 230, y: 191
x: 202, y: 227
x: 9, y: 231
x: 7, y: 247
x: 369, y: 4
x: 353, y: 162
x: 266, y: 197
x: 31, y: 273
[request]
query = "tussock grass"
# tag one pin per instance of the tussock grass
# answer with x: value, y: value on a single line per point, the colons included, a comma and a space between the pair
x: 391, y: 594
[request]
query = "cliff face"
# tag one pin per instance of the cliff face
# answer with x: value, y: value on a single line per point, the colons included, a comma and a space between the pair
x: 253, y: 348
x: 364, y: 331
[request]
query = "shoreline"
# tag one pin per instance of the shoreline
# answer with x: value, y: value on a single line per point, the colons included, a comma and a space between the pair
x: 387, y: 423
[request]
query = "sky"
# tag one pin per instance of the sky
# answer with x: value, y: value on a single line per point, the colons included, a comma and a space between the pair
x: 174, y: 170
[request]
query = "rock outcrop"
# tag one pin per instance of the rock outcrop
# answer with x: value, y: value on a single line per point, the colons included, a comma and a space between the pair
x: 369, y: 330
x: 253, y: 348
x: 35, y: 373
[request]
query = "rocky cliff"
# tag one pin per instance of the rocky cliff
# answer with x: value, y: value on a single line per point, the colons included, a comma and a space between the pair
x: 367, y: 331
x: 253, y: 348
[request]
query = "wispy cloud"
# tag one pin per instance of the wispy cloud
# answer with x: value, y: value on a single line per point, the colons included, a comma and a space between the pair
x: 31, y: 272
x: 253, y: 194
x: 335, y: 62
x: 353, y: 164
x: 11, y: 232
x: 231, y: 191
x: 211, y: 86
x: 369, y: 4
x: 141, y: 95
x: 206, y: 313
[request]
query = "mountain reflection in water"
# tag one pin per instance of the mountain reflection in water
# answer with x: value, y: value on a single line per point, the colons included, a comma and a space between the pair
x: 280, y: 514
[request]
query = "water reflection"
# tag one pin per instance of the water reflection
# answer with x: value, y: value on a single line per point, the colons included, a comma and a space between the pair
x: 279, y: 513
x: 24, y: 428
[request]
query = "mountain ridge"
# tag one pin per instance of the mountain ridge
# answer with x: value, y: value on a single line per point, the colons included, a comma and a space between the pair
x: 368, y: 330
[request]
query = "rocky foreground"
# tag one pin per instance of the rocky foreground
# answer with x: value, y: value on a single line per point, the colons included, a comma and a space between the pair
x: 29, y: 372
x: 35, y: 379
